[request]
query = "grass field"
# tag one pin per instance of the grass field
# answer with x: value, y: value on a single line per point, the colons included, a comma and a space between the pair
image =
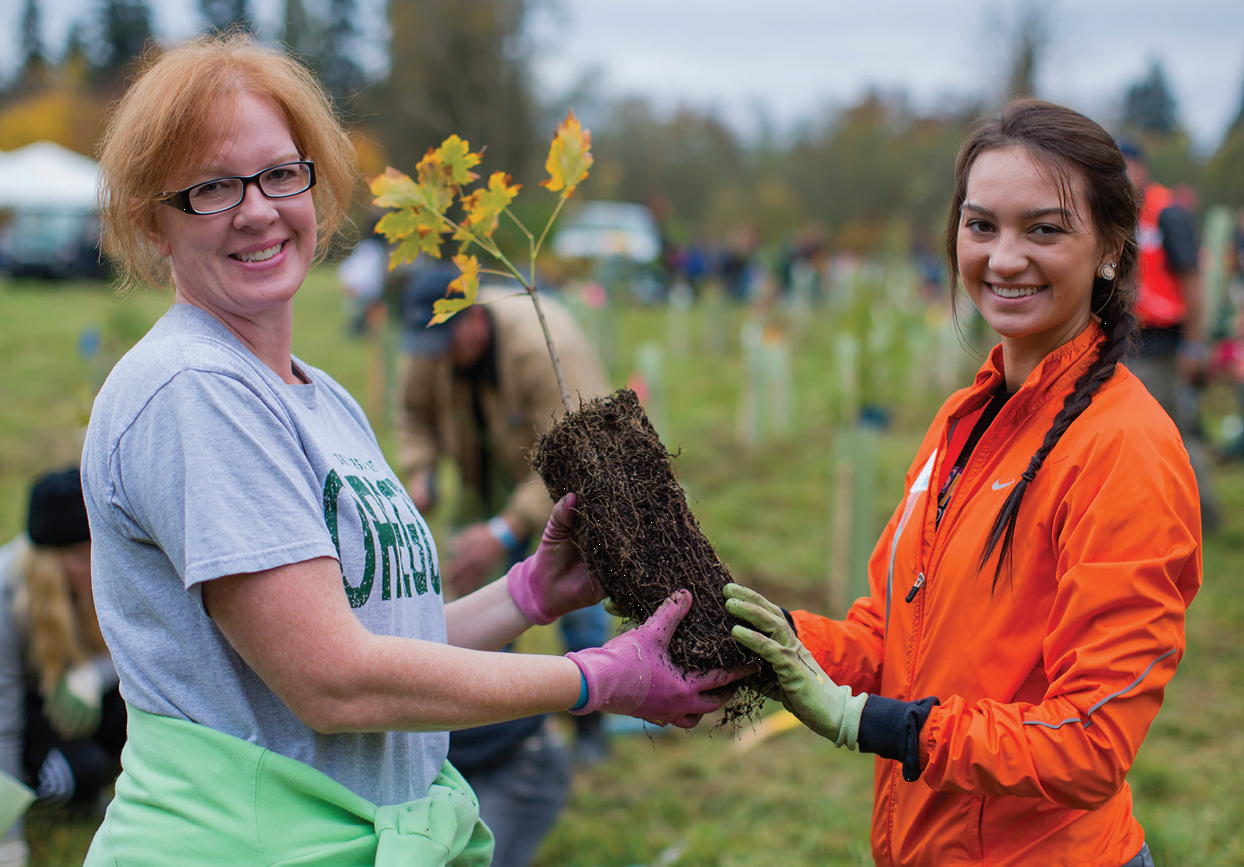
x: 702, y: 798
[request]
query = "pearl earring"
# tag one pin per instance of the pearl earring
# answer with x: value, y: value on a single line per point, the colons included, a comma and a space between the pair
x: 1107, y: 271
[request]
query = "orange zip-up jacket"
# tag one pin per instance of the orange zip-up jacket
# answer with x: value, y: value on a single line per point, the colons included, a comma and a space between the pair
x: 1049, y: 681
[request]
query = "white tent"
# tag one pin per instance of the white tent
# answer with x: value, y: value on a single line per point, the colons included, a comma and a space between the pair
x: 46, y: 175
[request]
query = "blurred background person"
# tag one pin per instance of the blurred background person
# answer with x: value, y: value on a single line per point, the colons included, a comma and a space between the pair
x: 480, y: 389
x: 62, y: 721
x: 1230, y: 352
x: 1172, y: 353
x: 361, y: 276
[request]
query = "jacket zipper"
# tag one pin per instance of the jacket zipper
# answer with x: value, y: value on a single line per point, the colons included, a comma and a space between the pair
x: 917, y: 619
x: 917, y: 626
x: 915, y: 588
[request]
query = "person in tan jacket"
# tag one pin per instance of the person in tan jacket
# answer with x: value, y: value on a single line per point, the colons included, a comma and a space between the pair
x: 479, y: 390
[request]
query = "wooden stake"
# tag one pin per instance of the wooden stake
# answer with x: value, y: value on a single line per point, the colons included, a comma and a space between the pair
x: 840, y: 533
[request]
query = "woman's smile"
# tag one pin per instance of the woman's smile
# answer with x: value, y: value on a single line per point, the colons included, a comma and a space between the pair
x: 1015, y: 291
x: 260, y: 255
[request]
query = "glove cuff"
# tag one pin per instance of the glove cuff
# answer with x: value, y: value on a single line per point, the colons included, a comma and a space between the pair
x: 612, y: 684
x: 852, y: 712
x: 891, y: 728
x: 522, y: 590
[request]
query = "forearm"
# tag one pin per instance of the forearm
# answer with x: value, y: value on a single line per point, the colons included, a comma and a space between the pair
x: 405, y: 685
x: 891, y: 728
x: 337, y: 676
x: 487, y: 619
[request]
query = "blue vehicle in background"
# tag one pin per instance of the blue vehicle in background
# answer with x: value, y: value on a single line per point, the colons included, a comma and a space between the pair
x: 49, y: 227
x: 620, y: 242
x: 51, y: 244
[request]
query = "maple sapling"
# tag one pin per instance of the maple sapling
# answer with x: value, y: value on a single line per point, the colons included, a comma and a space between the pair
x: 419, y: 217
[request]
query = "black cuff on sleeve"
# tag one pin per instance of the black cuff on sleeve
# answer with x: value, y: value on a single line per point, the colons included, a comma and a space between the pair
x: 891, y: 729
x: 790, y: 618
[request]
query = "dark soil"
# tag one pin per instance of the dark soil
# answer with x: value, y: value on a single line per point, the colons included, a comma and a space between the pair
x: 638, y: 536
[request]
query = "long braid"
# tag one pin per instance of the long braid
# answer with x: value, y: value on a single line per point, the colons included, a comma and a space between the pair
x: 1110, y: 353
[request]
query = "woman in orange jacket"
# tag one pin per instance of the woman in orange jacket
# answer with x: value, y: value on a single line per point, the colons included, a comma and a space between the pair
x: 1027, y: 598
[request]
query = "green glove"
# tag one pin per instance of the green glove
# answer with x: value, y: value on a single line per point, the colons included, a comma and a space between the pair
x: 612, y: 608
x: 807, y: 692
x: 75, y: 707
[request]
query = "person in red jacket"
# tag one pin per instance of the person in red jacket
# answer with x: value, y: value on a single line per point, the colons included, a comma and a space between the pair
x: 1172, y: 354
x: 1028, y: 596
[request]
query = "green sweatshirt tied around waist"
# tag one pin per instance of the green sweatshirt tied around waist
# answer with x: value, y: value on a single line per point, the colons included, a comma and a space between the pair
x: 193, y: 796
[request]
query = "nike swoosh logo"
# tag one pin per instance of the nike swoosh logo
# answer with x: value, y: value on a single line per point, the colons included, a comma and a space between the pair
x: 997, y: 486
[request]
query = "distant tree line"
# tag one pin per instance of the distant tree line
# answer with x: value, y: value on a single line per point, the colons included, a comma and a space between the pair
x: 847, y: 177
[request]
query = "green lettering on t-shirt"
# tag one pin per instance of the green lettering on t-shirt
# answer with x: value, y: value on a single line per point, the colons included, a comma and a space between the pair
x: 420, y: 575
x: 396, y: 496
x: 356, y: 595
x: 403, y: 548
x: 426, y: 547
x: 385, y: 535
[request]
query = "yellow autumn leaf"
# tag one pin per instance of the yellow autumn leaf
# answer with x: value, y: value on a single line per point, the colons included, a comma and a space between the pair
x: 420, y: 229
x: 465, y: 236
x: 570, y: 157
x: 446, y: 308
x: 392, y: 189
x: 397, y: 191
x: 432, y: 190
x: 457, y: 160
x: 466, y: 284
x: 430, y: 167
x: 483, y: 207
x: 397, y: 225
x: 409, y: 250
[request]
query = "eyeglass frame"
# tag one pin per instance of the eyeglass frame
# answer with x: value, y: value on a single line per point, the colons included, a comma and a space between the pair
x: 180, y: 199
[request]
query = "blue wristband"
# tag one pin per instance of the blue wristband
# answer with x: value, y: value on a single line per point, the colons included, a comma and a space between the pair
x: 582, y: 692
x: 500, y: 529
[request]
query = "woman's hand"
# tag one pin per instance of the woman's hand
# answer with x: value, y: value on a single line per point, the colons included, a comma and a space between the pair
x: 633, y: 673
x: 75, y: 707
x: 554, y: 580
x: 828, y: 709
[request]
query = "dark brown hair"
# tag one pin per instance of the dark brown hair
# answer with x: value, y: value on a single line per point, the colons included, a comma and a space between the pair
x: 1069, y: 146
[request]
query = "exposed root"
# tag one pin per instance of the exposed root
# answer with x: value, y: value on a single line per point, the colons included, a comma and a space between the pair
x: 638, y: 536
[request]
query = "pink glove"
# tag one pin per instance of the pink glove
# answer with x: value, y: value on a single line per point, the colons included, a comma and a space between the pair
x: 633, y: 674
x: 553, y: 581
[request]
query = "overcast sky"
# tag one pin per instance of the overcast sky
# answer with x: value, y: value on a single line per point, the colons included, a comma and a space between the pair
x: 790, y: 59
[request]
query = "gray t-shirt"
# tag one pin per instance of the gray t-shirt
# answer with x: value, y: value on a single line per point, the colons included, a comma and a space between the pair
x: 200, y: 462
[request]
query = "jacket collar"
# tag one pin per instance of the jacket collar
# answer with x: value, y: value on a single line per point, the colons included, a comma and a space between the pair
x: 1069, y: 359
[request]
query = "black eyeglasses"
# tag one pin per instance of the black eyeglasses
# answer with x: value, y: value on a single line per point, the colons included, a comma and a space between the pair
x: 221, y: 194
